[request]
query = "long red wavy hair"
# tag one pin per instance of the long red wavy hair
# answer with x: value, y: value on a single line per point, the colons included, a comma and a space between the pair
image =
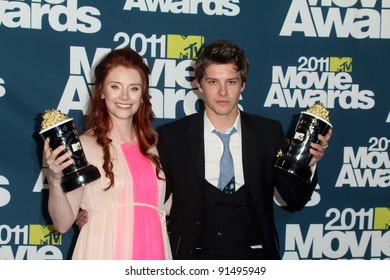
x: 98, y: 118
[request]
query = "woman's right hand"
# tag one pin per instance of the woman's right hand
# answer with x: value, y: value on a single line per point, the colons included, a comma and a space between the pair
x: 57, y: 163
x: 82, y: 218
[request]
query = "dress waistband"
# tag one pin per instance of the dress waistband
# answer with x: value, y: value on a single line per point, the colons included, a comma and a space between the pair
x: 101, y: 211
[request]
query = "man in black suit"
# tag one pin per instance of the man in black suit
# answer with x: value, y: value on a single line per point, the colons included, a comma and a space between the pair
x: 206, y: 222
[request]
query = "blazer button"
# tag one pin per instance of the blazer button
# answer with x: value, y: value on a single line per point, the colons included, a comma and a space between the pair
x: 198, y: 223
x: 219, y: 234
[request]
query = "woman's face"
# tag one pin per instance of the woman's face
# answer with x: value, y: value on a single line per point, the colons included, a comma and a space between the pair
x: 122, y: 92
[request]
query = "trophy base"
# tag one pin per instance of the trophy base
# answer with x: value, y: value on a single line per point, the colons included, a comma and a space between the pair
x: 79, y: 178
x: 293, y: 169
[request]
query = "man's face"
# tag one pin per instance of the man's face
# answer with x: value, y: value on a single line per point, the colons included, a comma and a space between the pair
x: 221, y: 86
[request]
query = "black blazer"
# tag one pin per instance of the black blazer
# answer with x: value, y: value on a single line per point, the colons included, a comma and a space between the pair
x: 181, y: 150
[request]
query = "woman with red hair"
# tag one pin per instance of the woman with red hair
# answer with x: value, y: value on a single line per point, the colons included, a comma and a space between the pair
x: 126, y: 217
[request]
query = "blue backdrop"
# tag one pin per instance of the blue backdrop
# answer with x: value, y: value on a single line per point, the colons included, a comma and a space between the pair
x: 300, y: 51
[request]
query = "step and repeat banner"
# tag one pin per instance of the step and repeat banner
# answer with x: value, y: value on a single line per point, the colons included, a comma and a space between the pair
x: 301, y: 51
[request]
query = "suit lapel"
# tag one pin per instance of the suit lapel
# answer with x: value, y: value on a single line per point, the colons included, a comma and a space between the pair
x: 251, y: 143
x: 195, y: 145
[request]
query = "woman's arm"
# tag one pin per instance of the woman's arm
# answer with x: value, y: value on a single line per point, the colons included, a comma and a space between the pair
x: 62, y: 207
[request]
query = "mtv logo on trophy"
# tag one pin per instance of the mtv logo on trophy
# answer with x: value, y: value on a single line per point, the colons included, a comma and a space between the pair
x: 62, y: 131
x: 311, y: 123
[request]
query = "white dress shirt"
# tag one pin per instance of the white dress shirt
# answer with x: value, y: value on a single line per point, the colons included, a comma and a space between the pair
x: 213, y: 147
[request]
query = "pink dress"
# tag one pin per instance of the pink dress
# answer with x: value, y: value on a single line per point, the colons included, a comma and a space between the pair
x: 128, y: 220
x: 147, y: 239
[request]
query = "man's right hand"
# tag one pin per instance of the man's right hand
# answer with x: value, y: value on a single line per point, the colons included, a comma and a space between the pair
x: 82, y: 218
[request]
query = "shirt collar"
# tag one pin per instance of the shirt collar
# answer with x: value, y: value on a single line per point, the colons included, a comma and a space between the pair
x: 208, y: 127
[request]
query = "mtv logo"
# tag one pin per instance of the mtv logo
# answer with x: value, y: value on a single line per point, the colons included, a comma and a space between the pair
x: 76, y: 147
x: 183, y: 47
x: 340, y: 64
x: 299, y: 136
x: 382, y: 218
x: 44, y: 235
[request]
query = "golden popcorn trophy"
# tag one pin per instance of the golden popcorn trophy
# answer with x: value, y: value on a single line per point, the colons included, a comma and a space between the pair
x: 311, y: 123
x: 62, y: 131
